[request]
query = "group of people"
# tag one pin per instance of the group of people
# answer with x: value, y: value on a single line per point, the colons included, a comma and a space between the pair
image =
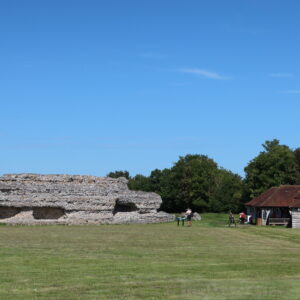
x: 242, y: 219
x: 187, y: 215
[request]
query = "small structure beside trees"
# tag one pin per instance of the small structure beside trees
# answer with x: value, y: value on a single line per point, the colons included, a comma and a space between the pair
x: 277, y: 206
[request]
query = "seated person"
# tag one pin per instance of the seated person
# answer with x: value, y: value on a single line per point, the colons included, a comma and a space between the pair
x: 242, y: 217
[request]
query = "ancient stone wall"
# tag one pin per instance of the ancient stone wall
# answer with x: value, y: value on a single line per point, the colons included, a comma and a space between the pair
x: 75, y: 199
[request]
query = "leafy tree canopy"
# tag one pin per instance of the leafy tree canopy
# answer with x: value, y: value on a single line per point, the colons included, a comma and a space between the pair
x: 228, y: 192
x: 194, y: 181
x: 194, y: 178
x: 140, y: 183
x: 275, y: 166
x: 197, y: 182
x: 297, y: 156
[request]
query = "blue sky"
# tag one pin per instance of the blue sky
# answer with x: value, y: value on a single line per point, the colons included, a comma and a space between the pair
x: 89, y: 87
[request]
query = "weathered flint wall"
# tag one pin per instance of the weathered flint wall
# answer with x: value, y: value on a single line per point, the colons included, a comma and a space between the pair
x: 74, y: 199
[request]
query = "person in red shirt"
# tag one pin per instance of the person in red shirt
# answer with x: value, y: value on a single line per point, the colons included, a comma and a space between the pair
x: 242, y: 217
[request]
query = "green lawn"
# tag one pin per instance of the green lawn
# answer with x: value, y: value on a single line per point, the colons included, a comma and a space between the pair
x: 154, y: 261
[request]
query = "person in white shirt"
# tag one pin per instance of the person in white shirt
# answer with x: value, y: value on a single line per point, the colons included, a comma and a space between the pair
x: 189, y: 215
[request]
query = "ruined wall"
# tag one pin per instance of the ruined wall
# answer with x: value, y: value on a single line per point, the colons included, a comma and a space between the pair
x: 75, y: 199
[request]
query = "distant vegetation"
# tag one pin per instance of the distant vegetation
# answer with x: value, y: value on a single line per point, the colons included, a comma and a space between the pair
x: 197, y: 181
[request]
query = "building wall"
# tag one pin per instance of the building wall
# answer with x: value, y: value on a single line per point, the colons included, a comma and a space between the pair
x: 295, y: 219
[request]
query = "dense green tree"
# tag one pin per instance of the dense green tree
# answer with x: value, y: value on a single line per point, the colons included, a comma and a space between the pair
x: 193, y: 178
x: 117, y: 174
x: 297, y: 157
x: 228, y: 192
x: 156, y: 180
x: 194, y: 181
x: 140, y: 183
x: 274, y: 166
x: 164, y: 184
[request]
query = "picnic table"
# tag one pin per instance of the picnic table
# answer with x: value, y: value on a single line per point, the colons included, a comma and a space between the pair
x: 182, y: 219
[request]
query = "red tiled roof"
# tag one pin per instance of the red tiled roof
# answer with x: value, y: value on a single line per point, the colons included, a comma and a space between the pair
x: 295, y: 203
x: 283, y: 196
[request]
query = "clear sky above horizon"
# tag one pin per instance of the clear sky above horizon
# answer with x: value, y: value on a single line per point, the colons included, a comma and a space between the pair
x: 89, y: 87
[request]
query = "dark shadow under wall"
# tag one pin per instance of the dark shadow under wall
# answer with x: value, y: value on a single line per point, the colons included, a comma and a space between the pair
x: 124, y: 207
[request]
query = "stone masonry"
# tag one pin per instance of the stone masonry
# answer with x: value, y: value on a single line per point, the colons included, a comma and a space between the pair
x: 75, y: 199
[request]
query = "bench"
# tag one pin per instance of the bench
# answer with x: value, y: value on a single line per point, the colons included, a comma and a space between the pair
x: 279, y: 221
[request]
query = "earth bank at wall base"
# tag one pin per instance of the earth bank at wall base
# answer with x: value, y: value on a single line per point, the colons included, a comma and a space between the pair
x: 75, y: 199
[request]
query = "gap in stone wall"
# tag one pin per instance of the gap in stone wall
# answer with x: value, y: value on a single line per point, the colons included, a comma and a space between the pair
x: 47, y: 213
x: 8, y: 212
x: 124, y: 207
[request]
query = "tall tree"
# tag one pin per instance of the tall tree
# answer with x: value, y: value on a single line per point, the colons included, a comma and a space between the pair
x: 297, y: 157
x: 228, y: 192
x: 274, y: 166
x: 193, y: 179
x: 140, y: 183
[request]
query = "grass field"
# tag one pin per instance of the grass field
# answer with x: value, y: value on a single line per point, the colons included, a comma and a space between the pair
x: 154, y: 261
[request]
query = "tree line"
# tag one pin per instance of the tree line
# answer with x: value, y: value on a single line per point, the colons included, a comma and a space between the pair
x: 196, y: 181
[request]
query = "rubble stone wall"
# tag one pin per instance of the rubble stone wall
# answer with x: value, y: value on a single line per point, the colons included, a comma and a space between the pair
x: 75, y: 199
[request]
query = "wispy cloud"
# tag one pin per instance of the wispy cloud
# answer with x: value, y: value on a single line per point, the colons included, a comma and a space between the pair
x: 204, y: 73
x: 290, y: 92
x: 282, y: 75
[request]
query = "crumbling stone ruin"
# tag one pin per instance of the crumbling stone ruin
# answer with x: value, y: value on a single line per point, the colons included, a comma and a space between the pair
x: 75, y: 199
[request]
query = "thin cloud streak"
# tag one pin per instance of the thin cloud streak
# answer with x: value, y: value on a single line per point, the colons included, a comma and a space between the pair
x: 282, y: 75
x: 204, y: 73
